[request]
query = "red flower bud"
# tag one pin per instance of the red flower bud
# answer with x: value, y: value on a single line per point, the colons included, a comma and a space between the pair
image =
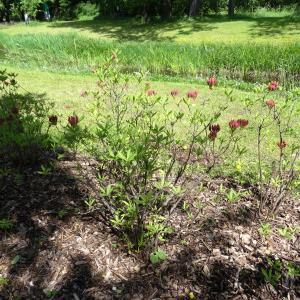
x: 282, y: 144
x: 243, y: 122
x: 73, y: 120
x: 174, y: 93
x: 271, y: 103
x: 192, y: 94
x: 212, y: 135
x: 234, y: 124
x: 53, y: 120
x: 211, y: 82
x: 215, y: 127
x: 151, y: 93
x: 273, y: 86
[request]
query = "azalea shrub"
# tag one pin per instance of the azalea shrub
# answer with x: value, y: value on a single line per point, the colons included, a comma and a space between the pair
x: 23, y: 122
x: 147, y: 145
x: 275, y: 164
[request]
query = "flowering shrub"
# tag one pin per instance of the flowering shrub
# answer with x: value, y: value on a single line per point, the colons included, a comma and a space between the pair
x: 143, y: 157
x: 23, y: 119
x: 277, y: 174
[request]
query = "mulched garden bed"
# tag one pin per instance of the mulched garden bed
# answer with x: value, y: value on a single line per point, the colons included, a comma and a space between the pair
x: 57, y: 250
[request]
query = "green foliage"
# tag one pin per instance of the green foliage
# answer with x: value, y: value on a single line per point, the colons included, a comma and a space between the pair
x: 45, y: 170
x: 278, y: 271
x: 136, y: 138
x: 3, y: 281
x: 288, y: 232
x: 23, y: 118
x: 158, y: 256
x: 74, y: 53
x: 90, y: 202
x: 5, y: 224
x: 15, y: 260
x: 30, y: 6
x: 86, y: 9
x: 265, y: 229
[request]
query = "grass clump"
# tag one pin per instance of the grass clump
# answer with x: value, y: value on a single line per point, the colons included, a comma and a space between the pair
x: 75, y: 53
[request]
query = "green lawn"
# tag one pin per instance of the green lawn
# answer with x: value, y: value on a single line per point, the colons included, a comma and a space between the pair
x: 275, y: 28
x: 254, y: 48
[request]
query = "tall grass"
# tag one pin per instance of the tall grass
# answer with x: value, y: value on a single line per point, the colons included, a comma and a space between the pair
x: 74, y: 53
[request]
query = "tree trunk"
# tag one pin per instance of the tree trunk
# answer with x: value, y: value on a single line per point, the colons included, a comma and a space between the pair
x: 166, y: 9
x: 230, y: 8
x: 194, y: 8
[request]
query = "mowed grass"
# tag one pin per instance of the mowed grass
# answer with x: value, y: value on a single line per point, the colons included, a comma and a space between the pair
x: 65, y: 90
x: 261, y: 27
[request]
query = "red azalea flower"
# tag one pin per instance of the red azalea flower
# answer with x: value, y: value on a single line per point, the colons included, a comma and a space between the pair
x: 243, y: 122
x: 211, y: 82
x: 174, y: 93
x: 192, y: 94
x: 151, y: 93
x: 273, y: 86
x: 282, y: 144
x: 15, y: 110
x: 53, y: 120
x: 212, y: 135
x: 234, y: 124
x: 271, y: 103
x: 215, y: 127
x: 73, y: 120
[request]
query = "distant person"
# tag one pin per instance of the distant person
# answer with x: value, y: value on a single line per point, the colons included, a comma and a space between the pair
x: 26, y: 18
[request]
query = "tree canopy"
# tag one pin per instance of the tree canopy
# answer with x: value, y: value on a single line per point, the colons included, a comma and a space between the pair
x: 65, y: 9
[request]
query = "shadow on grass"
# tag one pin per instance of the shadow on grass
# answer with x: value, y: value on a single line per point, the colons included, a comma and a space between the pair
x: 125, y: 29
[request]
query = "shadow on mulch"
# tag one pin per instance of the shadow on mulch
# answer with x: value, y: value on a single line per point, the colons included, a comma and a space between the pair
x: 27, y: 197
x: 37, y: 205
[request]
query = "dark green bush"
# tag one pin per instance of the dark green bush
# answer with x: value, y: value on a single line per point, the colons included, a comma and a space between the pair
x: 23, y: 123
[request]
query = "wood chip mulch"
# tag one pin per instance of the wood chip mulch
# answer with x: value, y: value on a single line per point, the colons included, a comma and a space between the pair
x: 55, y: 250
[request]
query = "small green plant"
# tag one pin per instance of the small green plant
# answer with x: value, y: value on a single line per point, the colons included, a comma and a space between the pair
x: 3, y: 281
x: 293, y: 270
x: 90, y: 202
x: 233, y: 196
x: 62, y: 213
x: 45, y: 171
x: 158, y: 256
x: 272, y: 274
x: 185, y: 206
x: 15, y: 260
x: 265, y: 229
x: 51, y: 293
x: 5, y: 224
x: 287, y: 232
